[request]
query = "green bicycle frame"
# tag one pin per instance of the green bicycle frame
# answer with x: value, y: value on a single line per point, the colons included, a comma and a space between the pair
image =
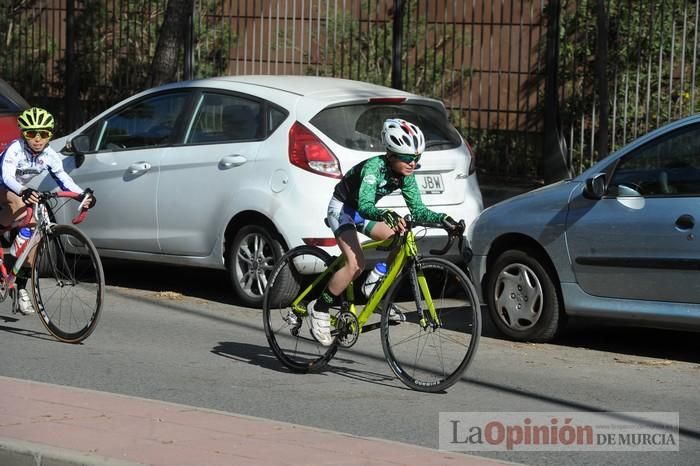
x: 407, y: 250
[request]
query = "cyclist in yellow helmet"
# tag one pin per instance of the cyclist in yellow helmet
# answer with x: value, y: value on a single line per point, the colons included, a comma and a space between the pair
x: 22, y: 160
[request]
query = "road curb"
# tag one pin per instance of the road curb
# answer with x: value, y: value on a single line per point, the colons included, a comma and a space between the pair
x: 21, y: 453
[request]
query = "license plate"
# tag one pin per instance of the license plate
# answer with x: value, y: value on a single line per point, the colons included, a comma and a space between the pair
x: 430, y: 184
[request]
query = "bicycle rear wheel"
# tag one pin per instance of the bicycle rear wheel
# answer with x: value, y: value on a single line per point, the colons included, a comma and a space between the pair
x: 68, y: 283
x: 432, y: 356
x: 286, y: 326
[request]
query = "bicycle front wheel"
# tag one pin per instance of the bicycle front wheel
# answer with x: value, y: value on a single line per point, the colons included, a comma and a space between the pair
x: 429, y: 354
x: 68, y: 283
x: 286, y: 325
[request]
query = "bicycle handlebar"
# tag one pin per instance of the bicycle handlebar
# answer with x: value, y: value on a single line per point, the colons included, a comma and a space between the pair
x: 82, y: 214
x: 457, y: 232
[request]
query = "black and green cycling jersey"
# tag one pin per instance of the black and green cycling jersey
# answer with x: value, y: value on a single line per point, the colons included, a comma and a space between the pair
x: 370, y: 180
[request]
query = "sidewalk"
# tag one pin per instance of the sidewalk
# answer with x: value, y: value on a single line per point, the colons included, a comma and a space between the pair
x: 43, y: 424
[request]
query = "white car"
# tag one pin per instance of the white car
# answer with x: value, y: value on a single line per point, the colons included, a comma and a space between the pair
x: 229, y: 172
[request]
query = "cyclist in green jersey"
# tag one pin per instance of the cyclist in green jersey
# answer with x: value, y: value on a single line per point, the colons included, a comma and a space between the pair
x: 353, y: 209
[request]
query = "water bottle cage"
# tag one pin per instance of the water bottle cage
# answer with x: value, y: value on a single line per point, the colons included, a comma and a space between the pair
x: 374, y: 278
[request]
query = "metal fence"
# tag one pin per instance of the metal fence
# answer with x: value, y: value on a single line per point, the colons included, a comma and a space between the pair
x: 648, y: 71
x: 484, y: 59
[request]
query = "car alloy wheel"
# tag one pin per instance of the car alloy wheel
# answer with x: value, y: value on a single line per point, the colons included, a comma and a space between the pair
x: 522, y: 296
x: 252, y: 255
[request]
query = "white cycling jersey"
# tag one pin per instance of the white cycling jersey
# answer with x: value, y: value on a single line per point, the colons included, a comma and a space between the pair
x: 18, y: 165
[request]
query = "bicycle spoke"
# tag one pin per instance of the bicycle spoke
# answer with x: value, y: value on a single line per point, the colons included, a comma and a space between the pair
x: 68, y: 284
x: 433, y: 358
x: 293, y: 344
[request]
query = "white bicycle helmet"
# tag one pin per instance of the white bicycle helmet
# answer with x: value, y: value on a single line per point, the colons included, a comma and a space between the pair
x: 402, y: 137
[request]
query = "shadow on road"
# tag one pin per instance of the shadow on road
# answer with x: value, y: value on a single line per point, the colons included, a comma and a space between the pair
x: 19, y: 330
x: 674, y: 345
x: 253, y: 354
x: 264, y: 357
x: 212, y: 285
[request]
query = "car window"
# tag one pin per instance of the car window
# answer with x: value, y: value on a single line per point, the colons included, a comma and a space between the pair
x: 149, y: 122
x: 667, y: 166
x: 6, y: 106
x: 275, y: 118
x: 225, y: 118
x: 359, y: 126
x: 10, y: 101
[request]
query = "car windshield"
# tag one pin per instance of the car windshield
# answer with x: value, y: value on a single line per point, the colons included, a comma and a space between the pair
x: 359, y: 126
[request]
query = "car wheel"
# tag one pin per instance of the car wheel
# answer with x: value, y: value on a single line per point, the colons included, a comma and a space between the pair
x: 251, y: 257
x: 522, y: 297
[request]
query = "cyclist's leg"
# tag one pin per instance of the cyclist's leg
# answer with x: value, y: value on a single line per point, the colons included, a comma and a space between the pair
x: 349, y: 245
x: 342, y: 221
x: 318, y: 309
x: 13, y: 208
x: 380, y: 231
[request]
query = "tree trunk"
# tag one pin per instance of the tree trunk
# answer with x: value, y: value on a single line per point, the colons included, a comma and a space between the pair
x: 165, y: 62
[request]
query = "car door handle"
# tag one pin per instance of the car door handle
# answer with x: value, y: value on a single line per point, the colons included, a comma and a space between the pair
x: 139, y: 167
x: 230, y: 161
x: 685, y: 222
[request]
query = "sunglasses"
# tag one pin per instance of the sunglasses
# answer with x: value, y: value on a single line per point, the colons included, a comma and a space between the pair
x: 32, y: 133
x: 407, y: 158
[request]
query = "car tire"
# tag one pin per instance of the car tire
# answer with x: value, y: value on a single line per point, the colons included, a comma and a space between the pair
x: 252, y: 254
x: 523, y: 297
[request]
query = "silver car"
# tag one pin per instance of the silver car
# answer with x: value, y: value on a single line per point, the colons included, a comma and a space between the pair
x: 617, y: 242
x: 228, y: 172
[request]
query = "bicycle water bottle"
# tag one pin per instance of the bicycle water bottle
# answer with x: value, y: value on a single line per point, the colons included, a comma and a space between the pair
x: 22, y: 236
x: 373, y: 278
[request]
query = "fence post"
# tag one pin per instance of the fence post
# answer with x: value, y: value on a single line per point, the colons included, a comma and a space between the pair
x: 189, y: 46
x: 555, y: 166
x: 71, y: 98
x: 601, y: 65
x: 397, y: 34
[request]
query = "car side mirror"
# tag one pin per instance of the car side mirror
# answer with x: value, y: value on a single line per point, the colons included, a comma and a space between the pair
x: 595, y: 186
x: 78, y: 146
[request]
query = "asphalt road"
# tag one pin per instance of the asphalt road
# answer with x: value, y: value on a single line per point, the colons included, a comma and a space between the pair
x: 175, y: 334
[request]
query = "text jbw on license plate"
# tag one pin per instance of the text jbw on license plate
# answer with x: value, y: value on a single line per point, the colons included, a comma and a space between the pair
x: 430, y: 184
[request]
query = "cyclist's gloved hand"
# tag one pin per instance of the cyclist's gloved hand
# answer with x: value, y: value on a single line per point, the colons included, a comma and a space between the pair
x: 30, y: 196
x: 392, y: 219
x: 93, y: 200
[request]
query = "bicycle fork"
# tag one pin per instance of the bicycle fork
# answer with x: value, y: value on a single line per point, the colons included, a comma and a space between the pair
x: 419, y: 284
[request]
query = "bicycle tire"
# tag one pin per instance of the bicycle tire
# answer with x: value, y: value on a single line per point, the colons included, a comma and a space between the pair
x: 293, y: 345
x: 427, y: 359
x: 68, y: 284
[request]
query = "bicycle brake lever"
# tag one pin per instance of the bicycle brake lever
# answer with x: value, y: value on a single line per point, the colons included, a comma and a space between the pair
x: 466, y: 252
x: 81, y: 206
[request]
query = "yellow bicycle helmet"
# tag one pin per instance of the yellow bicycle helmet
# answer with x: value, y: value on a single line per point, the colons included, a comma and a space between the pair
x: 35, y: 118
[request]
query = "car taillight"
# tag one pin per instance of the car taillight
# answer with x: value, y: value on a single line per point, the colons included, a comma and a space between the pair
x: 472, y: 162
x: 308, y: 152
x: 327, y: 242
